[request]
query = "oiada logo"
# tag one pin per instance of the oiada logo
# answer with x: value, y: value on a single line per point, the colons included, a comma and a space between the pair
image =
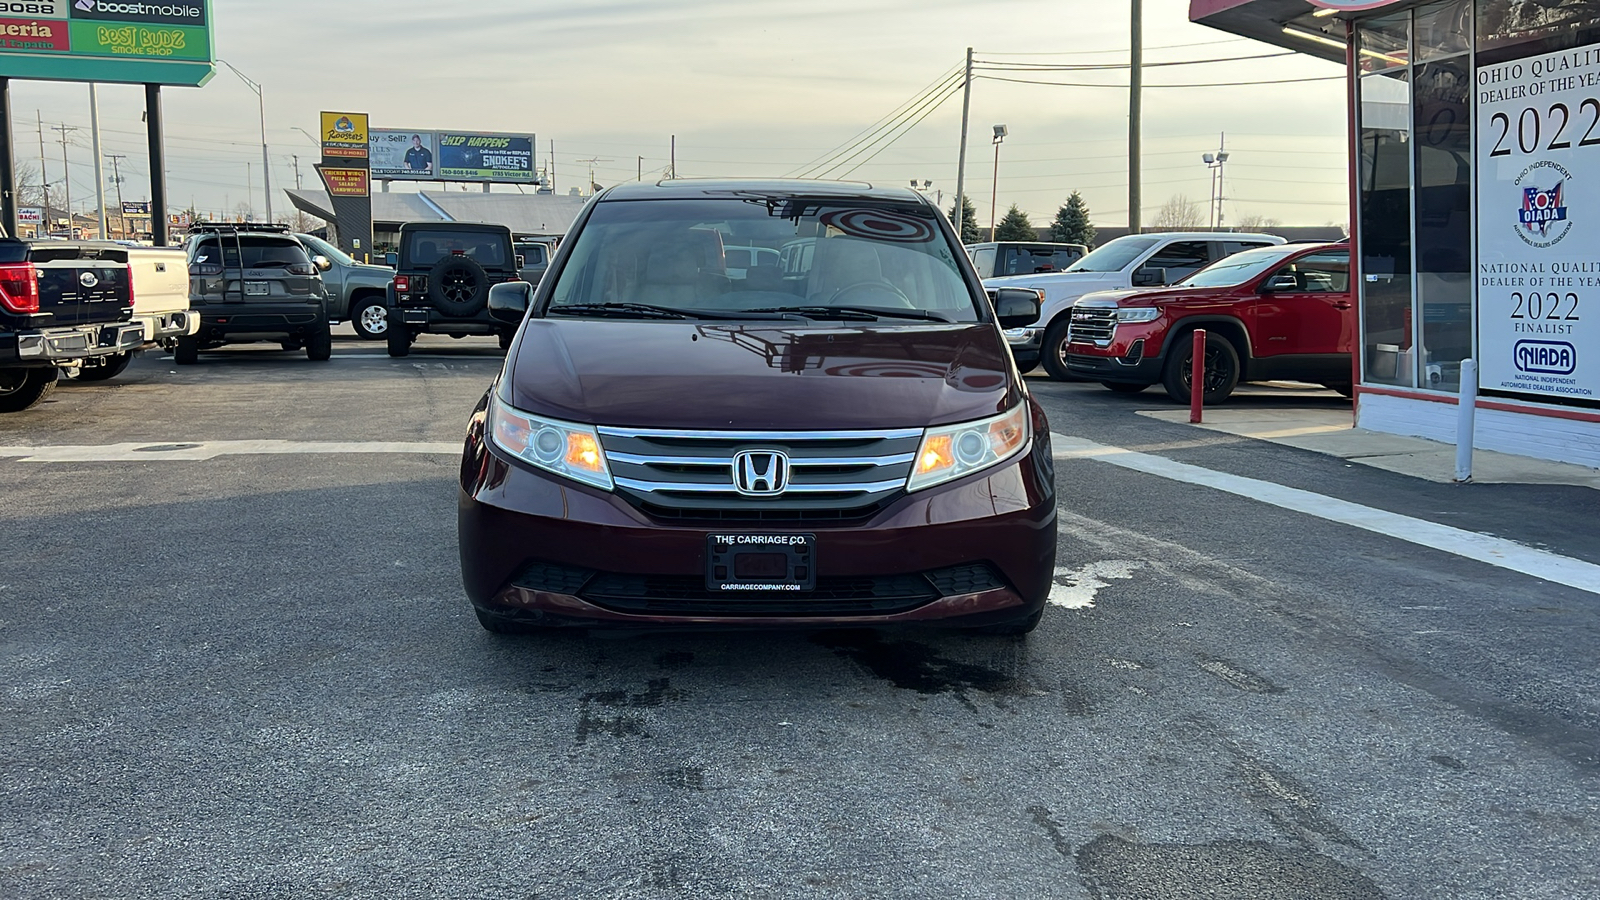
x: 1546, y: 357
x: 1542, y: 215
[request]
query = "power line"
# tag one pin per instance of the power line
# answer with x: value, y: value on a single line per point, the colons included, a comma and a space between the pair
x: 936, y: 104
x: 1125, y: 87
x: 1036, y: 67
x: 953, y: 75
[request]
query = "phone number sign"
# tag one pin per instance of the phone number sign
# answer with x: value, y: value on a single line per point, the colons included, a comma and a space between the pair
x: 115, y: 41
x: 1538, y: 171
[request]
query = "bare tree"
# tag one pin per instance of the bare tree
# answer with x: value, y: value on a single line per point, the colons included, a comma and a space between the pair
x: 1255, y: 222
x: 1180, y: 213
x: 29, y: 191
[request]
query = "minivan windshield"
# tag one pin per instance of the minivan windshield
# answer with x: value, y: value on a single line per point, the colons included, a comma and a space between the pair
x: 1235, y: 270
x: 832, y: 258
x: 1114, y: 256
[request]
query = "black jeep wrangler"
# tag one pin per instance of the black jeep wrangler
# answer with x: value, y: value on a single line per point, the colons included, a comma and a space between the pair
x: 442, y: 280
x: 253, y: 282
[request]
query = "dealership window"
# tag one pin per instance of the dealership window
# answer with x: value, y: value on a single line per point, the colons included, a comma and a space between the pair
x: 1384, y: 179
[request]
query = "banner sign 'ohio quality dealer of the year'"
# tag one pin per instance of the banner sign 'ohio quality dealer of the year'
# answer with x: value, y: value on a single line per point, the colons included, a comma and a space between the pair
x: 110, y: 41
x: 1539, y: 226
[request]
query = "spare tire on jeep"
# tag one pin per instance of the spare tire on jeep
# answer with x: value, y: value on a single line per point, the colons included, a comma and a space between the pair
x: 458, y: 286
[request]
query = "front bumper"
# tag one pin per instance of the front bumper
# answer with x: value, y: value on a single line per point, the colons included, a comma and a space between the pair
x: 53, y: 345
x: 543, y: 550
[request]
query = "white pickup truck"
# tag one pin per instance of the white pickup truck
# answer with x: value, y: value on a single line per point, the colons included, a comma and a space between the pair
x: 1134, y: 260
x: 160, y: 301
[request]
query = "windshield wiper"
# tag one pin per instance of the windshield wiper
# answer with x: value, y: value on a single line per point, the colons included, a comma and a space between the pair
x: 623, y: 310
x: 854, y: 313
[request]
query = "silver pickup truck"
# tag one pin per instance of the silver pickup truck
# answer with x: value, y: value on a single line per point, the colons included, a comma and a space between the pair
x: 355, y: 290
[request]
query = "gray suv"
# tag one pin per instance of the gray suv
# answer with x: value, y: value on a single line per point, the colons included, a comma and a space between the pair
x: 254, y: 282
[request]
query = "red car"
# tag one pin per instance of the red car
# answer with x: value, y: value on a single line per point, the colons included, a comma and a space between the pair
x: 1282, y: 313
x: 835, y: 438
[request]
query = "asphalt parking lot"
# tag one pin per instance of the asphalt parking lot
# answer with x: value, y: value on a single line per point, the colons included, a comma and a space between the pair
x: 239, y: 673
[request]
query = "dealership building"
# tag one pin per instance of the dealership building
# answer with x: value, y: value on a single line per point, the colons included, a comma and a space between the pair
x: 1474, y: 142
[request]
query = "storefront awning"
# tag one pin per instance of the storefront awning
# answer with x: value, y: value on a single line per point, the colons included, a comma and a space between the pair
x: 1312, y: 29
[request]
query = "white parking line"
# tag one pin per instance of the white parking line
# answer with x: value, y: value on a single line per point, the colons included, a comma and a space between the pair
x: 1469, y: 544
x: 149, y: 451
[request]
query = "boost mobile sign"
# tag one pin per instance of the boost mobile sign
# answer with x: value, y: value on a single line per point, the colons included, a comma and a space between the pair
x: 113, y: 41
x: 1538, y: 278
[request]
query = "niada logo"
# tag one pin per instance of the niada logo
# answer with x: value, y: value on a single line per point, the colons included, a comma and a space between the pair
x: 1542, y: 216
x: 1545, y: 357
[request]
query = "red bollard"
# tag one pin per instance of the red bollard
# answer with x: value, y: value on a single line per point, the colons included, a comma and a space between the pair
x: 1197, y: 377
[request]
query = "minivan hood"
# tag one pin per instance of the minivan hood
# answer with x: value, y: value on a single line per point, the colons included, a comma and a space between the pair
x: 757, y: 376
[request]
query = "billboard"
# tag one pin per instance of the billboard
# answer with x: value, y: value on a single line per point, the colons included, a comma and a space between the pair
x: 402, y: 154
x: 345, y: 182
x: 472, y: 156
x: 30, y: 215
x: 344, y: 135
x: 135, y: 208
x: 112, y: 41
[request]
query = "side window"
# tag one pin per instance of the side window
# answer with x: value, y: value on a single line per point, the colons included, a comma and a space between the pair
x: 983, y: 260
x: 1229, y: 248
x: 1319, y: 273
x: 1181, y: 259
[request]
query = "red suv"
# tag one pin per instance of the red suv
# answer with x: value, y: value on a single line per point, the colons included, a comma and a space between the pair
x: 841, y: 439
x: 1275, y: 313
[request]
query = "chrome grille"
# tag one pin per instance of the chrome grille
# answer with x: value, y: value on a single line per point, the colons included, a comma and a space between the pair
x: 1092, y: 325
x: 690, y: 473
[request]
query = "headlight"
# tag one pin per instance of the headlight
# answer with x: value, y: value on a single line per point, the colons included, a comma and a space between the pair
x: 1138, y: 314
x: 952, y: 451
x: 559, y: 447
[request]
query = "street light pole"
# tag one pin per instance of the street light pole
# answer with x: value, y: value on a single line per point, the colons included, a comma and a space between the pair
x: 266, y: 164
x: 994, y: 191
x: 1214, y: 162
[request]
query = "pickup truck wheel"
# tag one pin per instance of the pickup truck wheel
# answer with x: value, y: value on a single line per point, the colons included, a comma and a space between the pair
x: 1053, y: 351
x: 187, y: 351
x: 1013, y: 628
x: 22, y: 388
x: 1123, y: 387
x: 110, y: 367
x: 319, y: 345
x: 1221, y: 372
x: 399, y: 339
x: 370, y: 318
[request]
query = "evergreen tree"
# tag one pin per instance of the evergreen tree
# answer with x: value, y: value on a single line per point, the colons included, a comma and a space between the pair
x: 1015, y: 227
x: 1072, y: 223
x: 969, y: 221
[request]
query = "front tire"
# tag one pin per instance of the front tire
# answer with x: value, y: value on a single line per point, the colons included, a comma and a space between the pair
x: 23, y: 388
x: 1221, y: 369
x: 110, y: 367
x: 1053, y: 351
x: 399, y: 338
x: 370, y: 318
x: 187, y: 352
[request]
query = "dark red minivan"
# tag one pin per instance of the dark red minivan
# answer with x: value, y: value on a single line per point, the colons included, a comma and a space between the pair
x: 839, y: 438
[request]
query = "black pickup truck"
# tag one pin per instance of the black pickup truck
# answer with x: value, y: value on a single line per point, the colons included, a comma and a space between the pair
x: 60, y: 303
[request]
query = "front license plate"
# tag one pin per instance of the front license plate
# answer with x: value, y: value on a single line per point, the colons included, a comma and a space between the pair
x: 256, y: 289
x: 756, y: 563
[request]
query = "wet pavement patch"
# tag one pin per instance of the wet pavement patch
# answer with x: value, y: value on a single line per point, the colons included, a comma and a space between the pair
x: 1117, y: 869
x: 624, y: 723
x: 1042, y: 818
x: 917, y: 667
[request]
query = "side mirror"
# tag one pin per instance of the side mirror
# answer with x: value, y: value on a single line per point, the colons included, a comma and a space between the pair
x: 1280, y: 284
x: 1150, y: 276
x: 322, y: 263
x: 508, y: 301
x: 392, y: 260
x: 1016, y: 307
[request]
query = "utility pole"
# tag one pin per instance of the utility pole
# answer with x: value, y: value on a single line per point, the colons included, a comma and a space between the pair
x: 99, y: 162
x: 296, y: 158
x: 961, y: 159
x: 591, y: 161
x: 116, y: 178
x: 1135, y: 88
x: 552, y: 165
x: 44, y: 177
x: 672, y: 170
x: 640, y: 175
x: 66, y: 173
x: 249, y: 187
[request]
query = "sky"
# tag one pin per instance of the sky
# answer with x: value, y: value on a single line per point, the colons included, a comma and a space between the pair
x: 749, y: 89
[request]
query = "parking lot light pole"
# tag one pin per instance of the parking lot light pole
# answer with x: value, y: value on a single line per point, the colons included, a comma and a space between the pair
x: 994, y: 190
x: 266, y: 164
